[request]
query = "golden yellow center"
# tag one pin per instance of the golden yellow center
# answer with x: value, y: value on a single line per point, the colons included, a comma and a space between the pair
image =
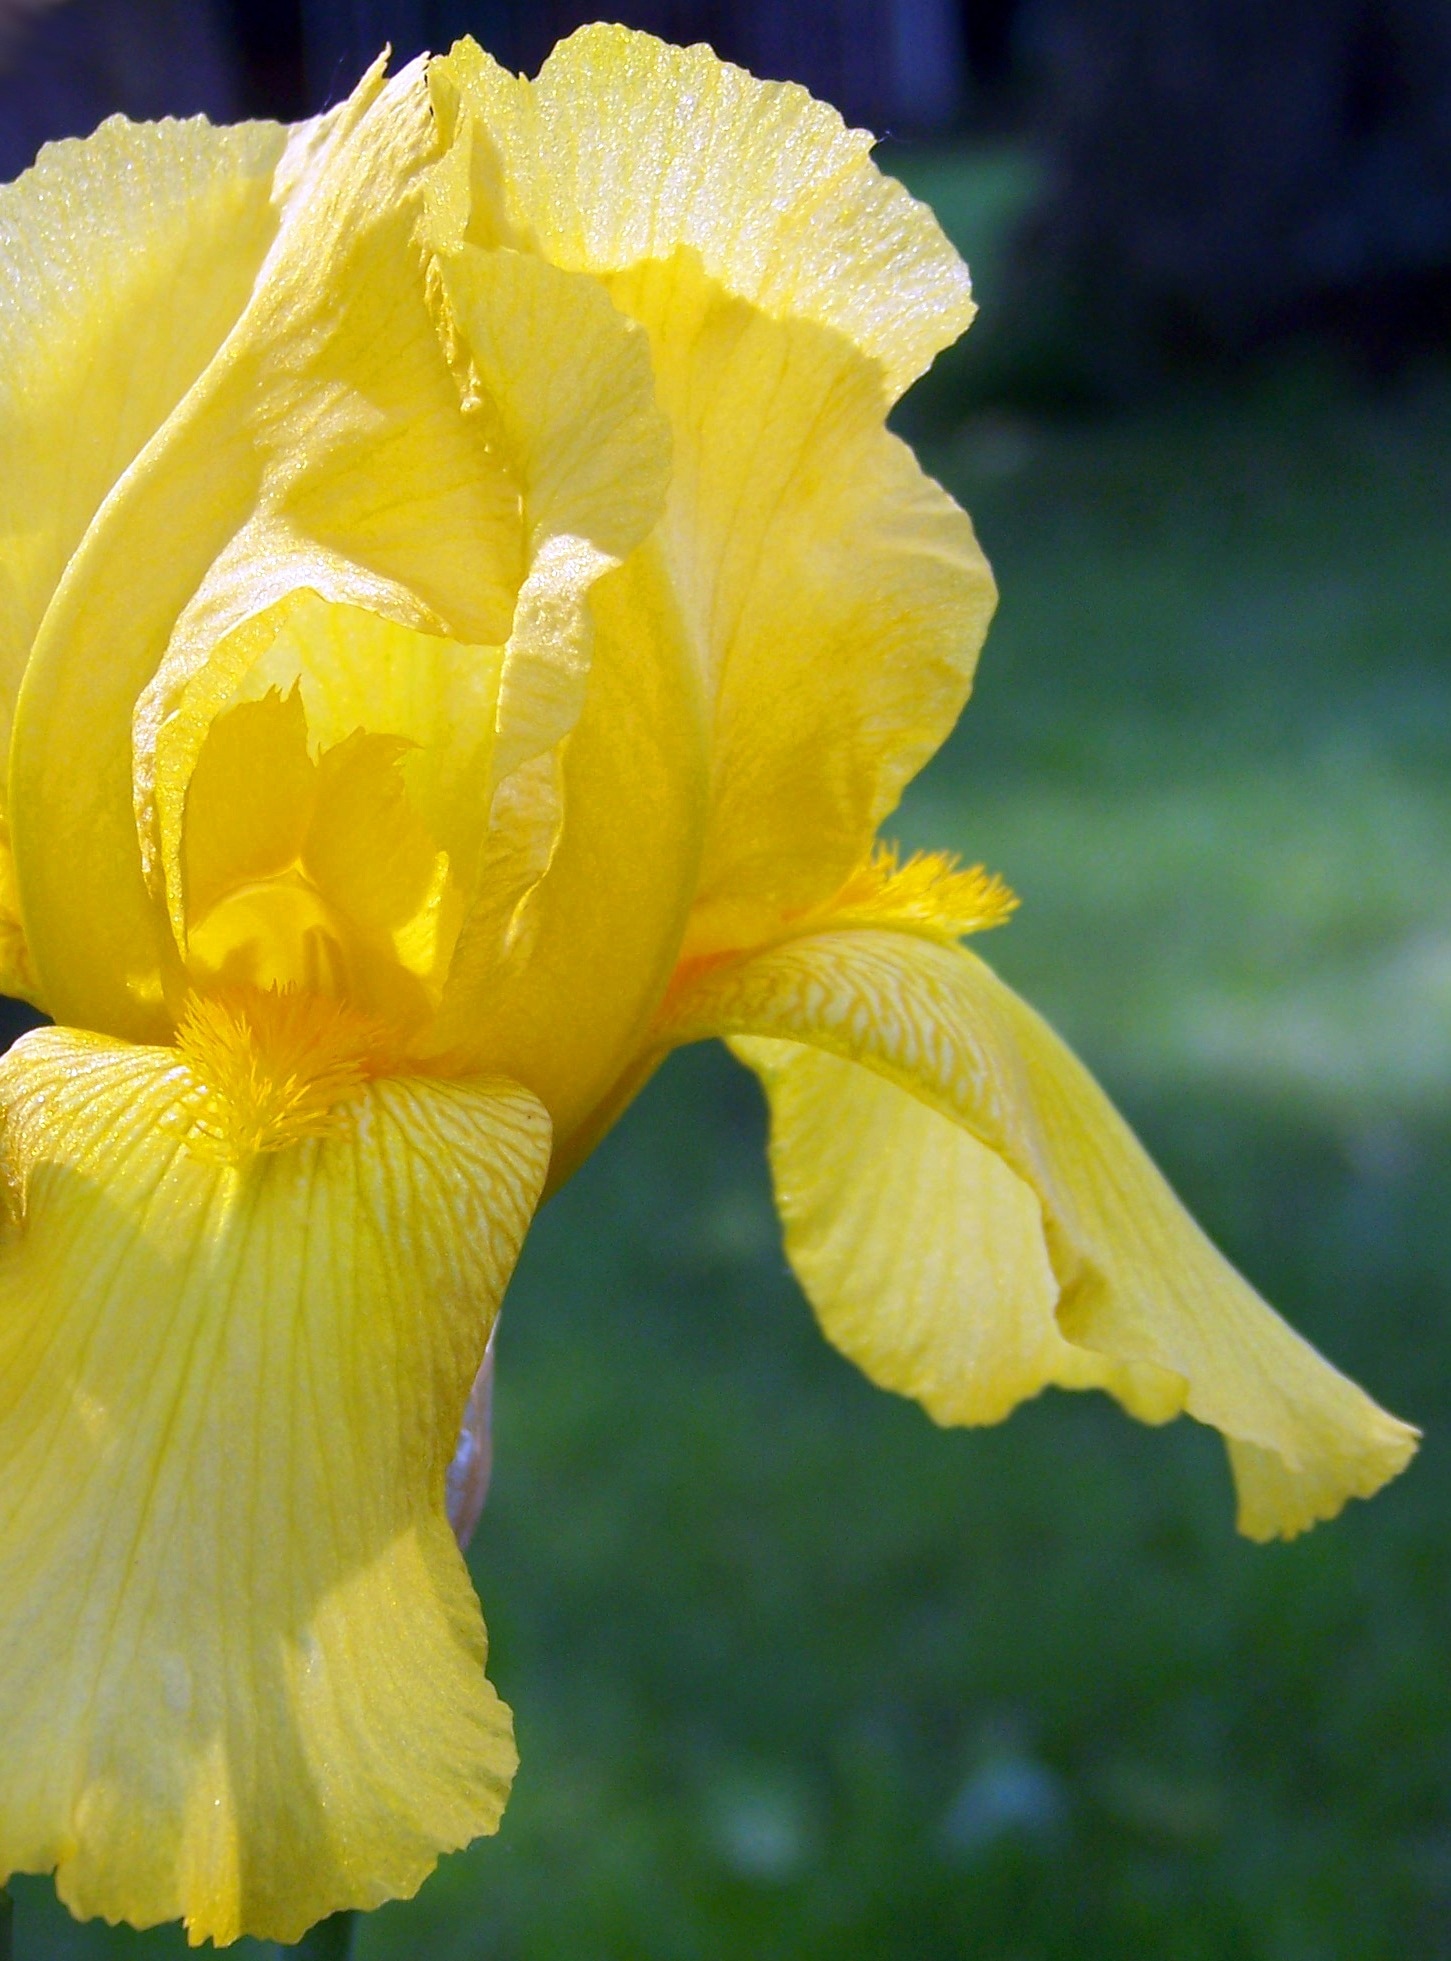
x: 273, y: 1066
x: 313, y: 873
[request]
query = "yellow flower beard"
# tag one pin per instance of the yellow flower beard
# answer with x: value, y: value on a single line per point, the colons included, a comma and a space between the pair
x: 274, y: 1065
x: 927, y: 894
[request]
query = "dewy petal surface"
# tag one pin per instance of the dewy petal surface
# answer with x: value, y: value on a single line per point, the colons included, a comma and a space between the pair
x: 626, y: 148
x: 1139, y: 1283
x: 241, y: 1664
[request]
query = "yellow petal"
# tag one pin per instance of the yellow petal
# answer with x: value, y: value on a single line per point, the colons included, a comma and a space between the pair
x: 341, y: 669
x: 17, y: 971
x: 124, y: 260
x: 104, y: 325
x: 558, y: 985
x: 326, y: 447
x: 250, y: 799
x: 1140, y: 1284
x: 241, y: 1665
x: 326, y: 374
x: 366, y: 850
x: 626, y: 148
x: 564, y: 387
x: 836, y: 596
x: 557, y: 392
x: 920, y: 1250
x: 326, y: 874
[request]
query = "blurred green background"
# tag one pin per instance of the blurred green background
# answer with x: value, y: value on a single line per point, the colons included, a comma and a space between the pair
x: 796, y: 1674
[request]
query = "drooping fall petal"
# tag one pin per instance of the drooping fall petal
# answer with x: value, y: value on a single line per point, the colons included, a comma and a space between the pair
x: 241, y: 1664
x: 1138, y: 1283
x: 920, y: 1250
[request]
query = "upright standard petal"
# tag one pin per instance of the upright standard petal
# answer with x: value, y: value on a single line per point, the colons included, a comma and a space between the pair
x: 921, y: 1252
x: 559, y: 987
x: 345, y: 441
x: 834, y: 599
x: 104, y: 325
x: 626, y: 148
x: 244, y: 1290
x: 565, y: 388
x: 327, y: 361
x: 1138, y: 1283
x: 125, y: 259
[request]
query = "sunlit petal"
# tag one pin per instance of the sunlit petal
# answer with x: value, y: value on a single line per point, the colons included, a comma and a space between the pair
x: 103, y: 328
x: 241, y: 1673
x: 1139, y: 1283
x: 836, y: 598
x: 626, y: 148
x: 565, y: 389
x: 563, y: 983
x: 330, y: 357
x: 833, y: 597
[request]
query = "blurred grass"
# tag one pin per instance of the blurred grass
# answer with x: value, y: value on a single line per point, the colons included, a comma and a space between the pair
x: 795, y: 1674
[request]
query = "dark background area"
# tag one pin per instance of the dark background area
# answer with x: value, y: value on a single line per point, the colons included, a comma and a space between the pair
x: 796, y: 1676
x: 1215, y: 173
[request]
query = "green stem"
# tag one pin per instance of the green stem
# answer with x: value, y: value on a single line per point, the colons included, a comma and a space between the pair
x: 7, y: 1924
x: 329, y: 1940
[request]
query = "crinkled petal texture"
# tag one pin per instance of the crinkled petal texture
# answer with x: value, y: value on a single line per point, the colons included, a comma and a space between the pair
x: 973, y: 1220
x: 241, y: 1663
x: 625, y: 148
x: 457, y: 443
x: 827, y: 601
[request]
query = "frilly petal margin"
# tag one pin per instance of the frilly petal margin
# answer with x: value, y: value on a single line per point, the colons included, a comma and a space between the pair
x: 832, y: 598
x: 1138, y: 1281
x: 241, y: 1665
x: 625, y: 148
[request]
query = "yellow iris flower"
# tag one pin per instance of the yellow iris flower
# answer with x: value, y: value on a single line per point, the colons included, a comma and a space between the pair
x: 463, y: 621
